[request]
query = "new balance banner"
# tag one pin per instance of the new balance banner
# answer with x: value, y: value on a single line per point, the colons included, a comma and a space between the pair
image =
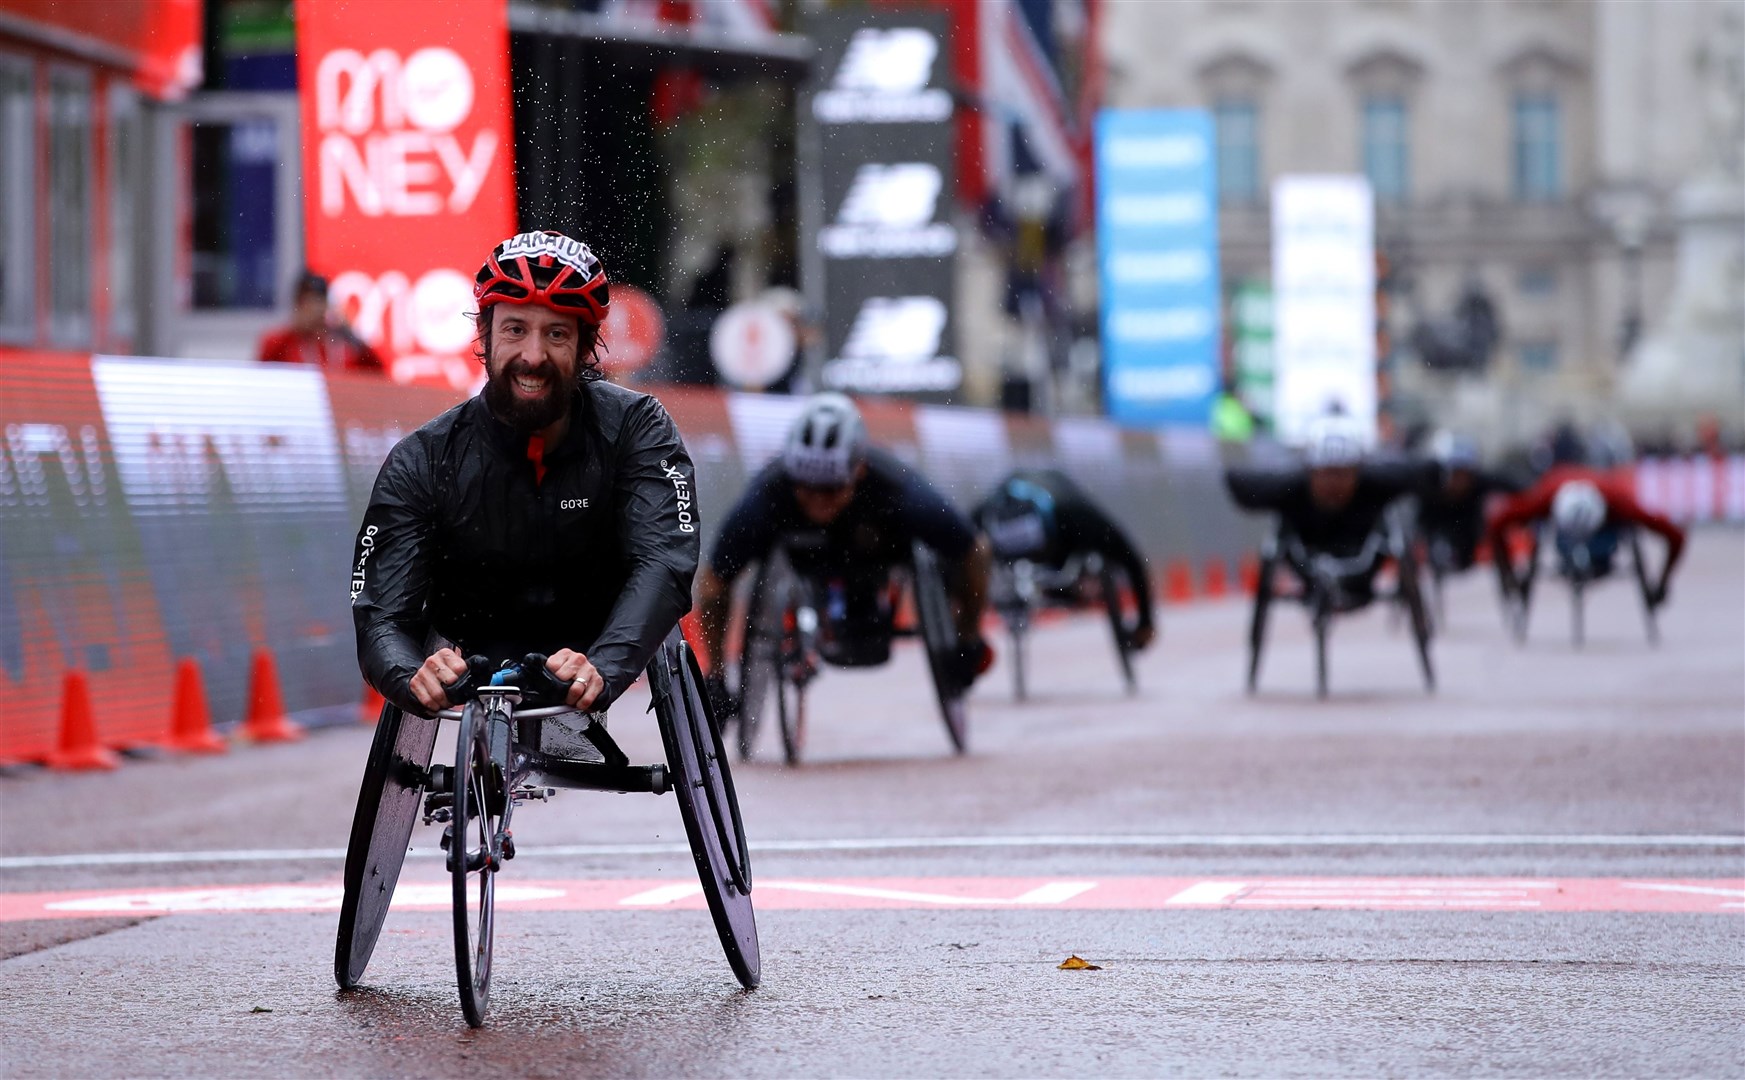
x: 408, y: 169
x: 1157, y: 244
x: 881, y: 234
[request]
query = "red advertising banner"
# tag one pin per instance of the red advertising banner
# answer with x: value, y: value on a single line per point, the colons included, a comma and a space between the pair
x: 408, y: 166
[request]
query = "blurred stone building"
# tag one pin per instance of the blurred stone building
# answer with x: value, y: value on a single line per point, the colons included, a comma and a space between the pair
x: 1532, y: 152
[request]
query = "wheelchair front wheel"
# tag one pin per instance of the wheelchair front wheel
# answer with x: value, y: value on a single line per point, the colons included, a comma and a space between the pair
x: 387, y: 808
x: 475, y: 854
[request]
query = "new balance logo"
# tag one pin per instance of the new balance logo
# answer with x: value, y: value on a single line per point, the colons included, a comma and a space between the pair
x: 894, y: 345
x: 888, y: 213
x: 883, y: 79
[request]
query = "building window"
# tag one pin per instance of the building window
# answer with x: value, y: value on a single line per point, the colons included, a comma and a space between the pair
x: 236, y: 178
x: 17, y: 212
x: 1538, y: 172
x: 1238, y: 133
x: 1537, y: 281
x: 125, y: 134
x: 1386, y: 159
x: 70, y: 168
x: 1539, y: 356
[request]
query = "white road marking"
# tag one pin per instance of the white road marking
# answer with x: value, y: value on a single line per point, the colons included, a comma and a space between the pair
x: 665, y: 894
x: 277, y: 898
x: 1159, y: 842
x: 1208, y: 892
x: 1702, y: 890
x: 1054, y: 892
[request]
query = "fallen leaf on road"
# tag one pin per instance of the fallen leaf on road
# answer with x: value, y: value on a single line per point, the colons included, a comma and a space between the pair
x: 1078, y: 963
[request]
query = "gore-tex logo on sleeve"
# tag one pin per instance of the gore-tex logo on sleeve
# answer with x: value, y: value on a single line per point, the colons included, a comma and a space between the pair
x: 682, y: 492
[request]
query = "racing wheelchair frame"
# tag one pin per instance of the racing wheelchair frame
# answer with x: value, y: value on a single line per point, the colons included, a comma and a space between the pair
x: 1022, y: 587
x: 498, y: 766
x: 1581, y: 574
x: 781, y: 653
x: 1320, y: 590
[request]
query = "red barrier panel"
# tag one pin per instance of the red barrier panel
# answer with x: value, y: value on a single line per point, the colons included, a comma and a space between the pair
x: 75, y: 591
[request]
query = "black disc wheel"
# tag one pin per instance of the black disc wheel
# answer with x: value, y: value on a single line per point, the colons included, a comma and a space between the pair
x: 939, y: 641
x: 759, y: 654
x: 1110, y: 584
x: 1263, y: 587
x: 1639, y: 560
x: 1418, y: 614
x: 475, y: 854
x: 703, y: 783
x: 790, y: 692
x: 387, y: 808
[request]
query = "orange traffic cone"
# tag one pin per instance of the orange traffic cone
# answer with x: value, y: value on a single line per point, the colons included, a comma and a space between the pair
x: 1178, y: 582
x: 1217, y: 579
x: 266, y: 721
x: 371, y: 709
x: 79, y: 748
x: 1248, y: 573
x: 190, y: 719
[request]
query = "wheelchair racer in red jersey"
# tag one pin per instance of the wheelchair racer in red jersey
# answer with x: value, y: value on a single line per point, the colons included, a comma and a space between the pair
x: 846, y: 514
x: 1588, y: 510
x: 551, y: 514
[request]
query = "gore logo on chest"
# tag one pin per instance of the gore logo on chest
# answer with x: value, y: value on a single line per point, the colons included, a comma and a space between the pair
x: 573, y: 504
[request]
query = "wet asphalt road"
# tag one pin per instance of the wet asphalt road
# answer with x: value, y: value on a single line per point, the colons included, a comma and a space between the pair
x: 1615, y: 761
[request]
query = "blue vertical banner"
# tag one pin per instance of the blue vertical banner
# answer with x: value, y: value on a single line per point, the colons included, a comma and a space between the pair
x: 1157, y: 251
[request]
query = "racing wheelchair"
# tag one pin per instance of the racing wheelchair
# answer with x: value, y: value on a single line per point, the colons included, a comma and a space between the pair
x: 500, y: 765
x: 787, y: 629
x: 1581, y: 563
x: 1022, y: 587
x: 1324, y: 587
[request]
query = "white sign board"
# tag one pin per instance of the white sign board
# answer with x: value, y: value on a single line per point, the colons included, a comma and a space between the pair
x: 752, y: 345
x: 1323, y: 282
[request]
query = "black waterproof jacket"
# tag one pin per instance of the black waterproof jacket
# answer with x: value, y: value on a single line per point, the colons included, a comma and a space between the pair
x: 470, y: 541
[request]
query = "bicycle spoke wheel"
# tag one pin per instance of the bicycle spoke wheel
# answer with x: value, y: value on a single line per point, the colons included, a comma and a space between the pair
x: 474, y: 856
x: 708, y: 804
x: 387, y: 808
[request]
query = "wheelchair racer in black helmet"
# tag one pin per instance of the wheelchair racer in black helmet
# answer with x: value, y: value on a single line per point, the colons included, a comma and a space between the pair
x: 846, y: 513
x: 1044, y: 516
x: 553, y: 513
x: 1451, y: 511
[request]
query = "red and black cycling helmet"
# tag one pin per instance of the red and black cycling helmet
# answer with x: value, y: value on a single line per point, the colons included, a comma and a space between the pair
x: 545, y: 268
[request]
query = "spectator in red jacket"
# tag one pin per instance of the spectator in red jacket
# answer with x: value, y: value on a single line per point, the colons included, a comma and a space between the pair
x: 314, y: 338
x: 1588, y: 508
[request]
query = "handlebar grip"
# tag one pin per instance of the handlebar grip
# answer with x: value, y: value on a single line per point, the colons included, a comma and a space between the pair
x: 465, y: 688
x: 544, y: 683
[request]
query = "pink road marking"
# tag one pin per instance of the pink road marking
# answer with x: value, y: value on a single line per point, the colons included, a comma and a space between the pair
x: 1706, y: 895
